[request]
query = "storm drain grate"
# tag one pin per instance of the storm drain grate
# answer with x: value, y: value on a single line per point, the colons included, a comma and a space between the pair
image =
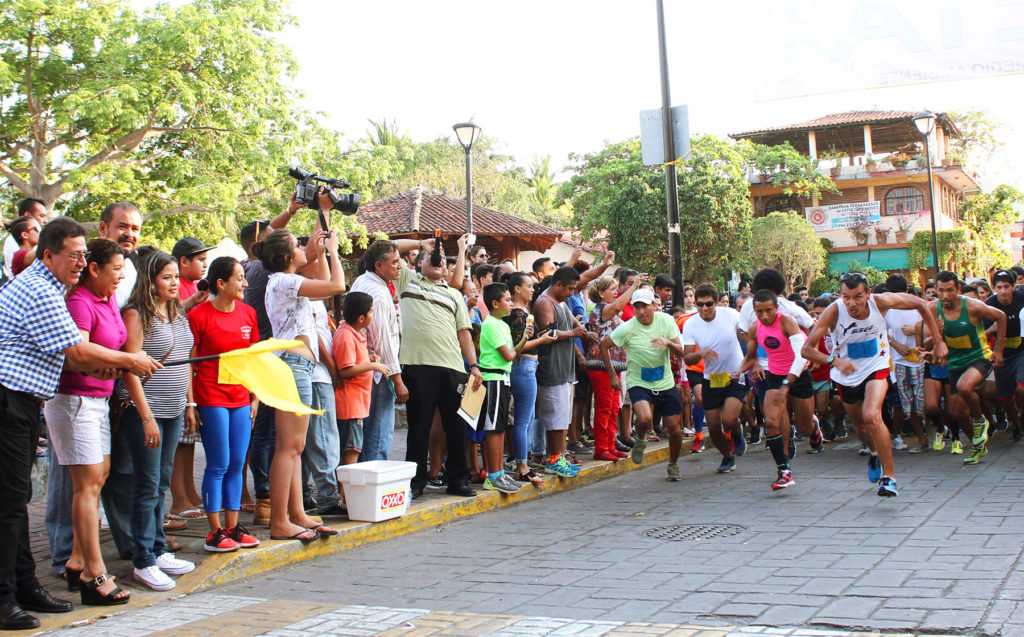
x: 681, y: 532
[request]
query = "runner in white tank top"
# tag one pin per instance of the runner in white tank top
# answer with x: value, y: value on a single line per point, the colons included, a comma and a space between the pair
x: 860, y: 363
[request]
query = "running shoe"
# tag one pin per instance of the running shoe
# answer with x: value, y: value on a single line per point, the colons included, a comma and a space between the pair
x: 898, y: 444
x: 728, y: 464
x: 588, y: 435
x: 638, y: 450
x: 921, y: 448
x: 562, y: 468
x: 980, y: 431
x: 839, y: 431
x: 976, y: 454
x: 436, y: 484
x: 673, y: 473
x: 689, y: 431
x: 626, y: 443
x: 1016, y: 434
x: 652, y: 436
x: 817, y: 441
x: 697, y: 446
x: 792, y: 447
x: 220, y: 542
x: 239, y: 534
x: 755, y: 436
x: 956, y: 447
x: 938, y: 442
x: 502, y: 483
x: 887, y: 488
x: 576, y: 447
x: 739, y: 444
x: 863, y: 451
x: 1001, y: 424
x: 874, y: 468
x: 621, y: 447
x: 784, y: 481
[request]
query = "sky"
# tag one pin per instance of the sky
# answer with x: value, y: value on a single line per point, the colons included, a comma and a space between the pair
x: 557, y: 77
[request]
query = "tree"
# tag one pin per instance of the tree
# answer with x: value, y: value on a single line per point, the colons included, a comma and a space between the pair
x: 182, y: 110
x: 979, y: 139
x: 786, y: 242
x: 613, y: 191
x: 784, y: 167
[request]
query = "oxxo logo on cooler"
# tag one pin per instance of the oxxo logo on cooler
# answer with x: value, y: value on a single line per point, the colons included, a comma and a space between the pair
x: 392, y: 500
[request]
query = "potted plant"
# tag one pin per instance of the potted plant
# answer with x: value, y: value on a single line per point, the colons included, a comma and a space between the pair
x: 903, y: 223
x: 899, y: 160
x: 872, y: 163
x: 860, y: 234
x: 882, y: 235
x: 835, y: 155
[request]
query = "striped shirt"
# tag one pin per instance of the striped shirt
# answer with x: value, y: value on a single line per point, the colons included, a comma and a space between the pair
x: 384, y: 333
x: 432, y: 316
x: 35, y: 329
x: 166, y: 391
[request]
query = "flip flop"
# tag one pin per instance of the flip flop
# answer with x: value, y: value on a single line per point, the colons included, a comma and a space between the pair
x: 173, y: 524
x: 187, y: 514
x: 530, y: 476
x: 304, y: 540
x: 324, y: 531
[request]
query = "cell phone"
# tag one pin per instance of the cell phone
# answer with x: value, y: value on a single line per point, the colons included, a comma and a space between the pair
x: 203, y: 285
x: 471, y: 239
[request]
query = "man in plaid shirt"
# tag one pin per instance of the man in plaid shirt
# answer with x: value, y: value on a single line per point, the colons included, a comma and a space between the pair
x: 37, y: 339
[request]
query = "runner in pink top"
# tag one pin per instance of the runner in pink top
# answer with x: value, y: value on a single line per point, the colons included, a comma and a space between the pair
x: 780, y: 336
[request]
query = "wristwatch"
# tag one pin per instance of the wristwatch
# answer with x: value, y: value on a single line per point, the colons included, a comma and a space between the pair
x: 785, y: 382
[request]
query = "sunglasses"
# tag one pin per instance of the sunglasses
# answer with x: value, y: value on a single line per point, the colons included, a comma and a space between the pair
x: 853, y: 277
x: 705, y: 303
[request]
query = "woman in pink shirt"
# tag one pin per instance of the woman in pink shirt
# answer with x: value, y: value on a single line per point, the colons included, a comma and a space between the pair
x: 77, y: 419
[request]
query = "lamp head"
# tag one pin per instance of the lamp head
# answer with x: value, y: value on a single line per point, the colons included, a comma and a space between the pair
x: 467, y: 132
x: 925, y: 123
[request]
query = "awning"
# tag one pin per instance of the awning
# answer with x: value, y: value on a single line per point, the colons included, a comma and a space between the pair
x: 891, y: 259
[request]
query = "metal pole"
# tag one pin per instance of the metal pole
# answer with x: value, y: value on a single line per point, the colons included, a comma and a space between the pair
x: 931, y: 203
x: 469, y: 190
x: 671, y: 186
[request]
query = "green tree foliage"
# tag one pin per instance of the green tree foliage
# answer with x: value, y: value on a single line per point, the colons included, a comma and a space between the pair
x: 182, y: 110
x: 612, y: 191
x: 979, y: 140
x: 786, y: 242
x: 784, y: 167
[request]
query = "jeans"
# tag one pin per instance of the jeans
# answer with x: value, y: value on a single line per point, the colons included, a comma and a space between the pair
x: 433, y: 387
x: 606, y: 412
x: 524, y: 396
x: 379, y: 426
x: 152, y: 478
x: 225, y: 437
x: 117, y: 493
x: 322, y: 453
x: 263, y: 440
x: 59, y: 528
x: 19, y: 413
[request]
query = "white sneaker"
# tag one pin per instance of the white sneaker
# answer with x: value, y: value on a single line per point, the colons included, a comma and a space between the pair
x: 898, y: 444
x: 688, y: 431
x: 173, y: 566
x: 154, y: 578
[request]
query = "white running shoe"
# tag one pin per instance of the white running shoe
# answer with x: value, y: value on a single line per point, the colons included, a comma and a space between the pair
x: 173, y: 566
x: 154, y: 578
x: 898, y: 444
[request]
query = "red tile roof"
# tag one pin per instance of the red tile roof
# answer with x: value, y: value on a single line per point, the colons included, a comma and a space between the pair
x: 420, y: 211
x: 842, y: 119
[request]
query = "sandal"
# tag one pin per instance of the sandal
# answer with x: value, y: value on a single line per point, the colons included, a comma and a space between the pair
x: 324, y: 531
x: 92, y: 597
x: 530, y: 476
x: 187, y: 514
x: 74, y: 579
x: 300, y: 536
x: 171, y: 524
x: 172, y: 544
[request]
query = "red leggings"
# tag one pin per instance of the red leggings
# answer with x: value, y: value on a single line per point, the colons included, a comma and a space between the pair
x: 606, y: 411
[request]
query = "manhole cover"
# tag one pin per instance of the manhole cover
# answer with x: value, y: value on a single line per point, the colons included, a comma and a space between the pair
x: 681, y: 532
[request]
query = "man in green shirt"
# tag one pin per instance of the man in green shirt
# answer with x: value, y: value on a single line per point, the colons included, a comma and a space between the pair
x: 649, y: 338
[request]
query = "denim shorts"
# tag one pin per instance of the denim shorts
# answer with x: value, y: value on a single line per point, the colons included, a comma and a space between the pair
x: 350, y: 430
x: 302, y: 369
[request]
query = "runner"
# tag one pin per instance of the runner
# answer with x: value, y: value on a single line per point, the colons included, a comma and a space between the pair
x: 860, y: 363
x: 649, y: 337
x: 908, y: 366
x: 780, y: 337
x: 970, y: 357
x: 723, y: 390
x: 827, y: 405
x: 1009, y: 377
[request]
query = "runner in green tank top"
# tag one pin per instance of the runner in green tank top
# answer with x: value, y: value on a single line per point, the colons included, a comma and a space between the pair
x: 970, y: 359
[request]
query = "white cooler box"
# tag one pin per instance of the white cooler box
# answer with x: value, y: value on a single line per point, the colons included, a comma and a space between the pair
x: 377, y: 490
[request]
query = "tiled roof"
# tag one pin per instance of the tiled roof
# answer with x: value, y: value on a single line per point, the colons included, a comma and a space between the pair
x: 420, y: 211
x: 838, y: 119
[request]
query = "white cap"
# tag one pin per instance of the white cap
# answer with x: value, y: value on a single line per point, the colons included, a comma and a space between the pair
x: 642, y: 295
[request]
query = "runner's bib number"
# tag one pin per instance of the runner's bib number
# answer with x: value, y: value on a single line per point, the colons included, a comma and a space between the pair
x: 652, y: 374
x: 719, y: 381
x: 862, y: 349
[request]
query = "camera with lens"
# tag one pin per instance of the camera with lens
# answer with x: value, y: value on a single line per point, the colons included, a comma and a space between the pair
x: 307, y: 188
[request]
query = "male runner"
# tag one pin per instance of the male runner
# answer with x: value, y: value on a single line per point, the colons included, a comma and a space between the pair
x: 1009, y: 377
x: 970, y: 358
x: 909, y: 367
x: 649, y: 338
x: 860, y: 363
x: 781, y: 339
x: 723, y: 390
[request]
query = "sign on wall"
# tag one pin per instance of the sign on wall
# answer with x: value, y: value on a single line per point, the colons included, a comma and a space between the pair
x: 844, y: 215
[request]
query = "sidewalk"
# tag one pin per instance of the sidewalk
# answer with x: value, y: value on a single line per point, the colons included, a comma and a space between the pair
x: 433, y: 509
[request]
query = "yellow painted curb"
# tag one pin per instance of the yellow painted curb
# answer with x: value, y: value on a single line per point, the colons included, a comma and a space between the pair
x: 221, y: 568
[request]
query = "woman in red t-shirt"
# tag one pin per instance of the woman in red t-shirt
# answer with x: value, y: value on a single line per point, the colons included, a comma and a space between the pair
x: 220, y: 325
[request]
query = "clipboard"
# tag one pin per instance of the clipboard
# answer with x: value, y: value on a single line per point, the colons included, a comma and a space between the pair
x: 472, y: 403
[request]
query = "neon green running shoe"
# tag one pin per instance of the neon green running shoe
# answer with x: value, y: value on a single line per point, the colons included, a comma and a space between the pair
x: 938, y: 443
x: 673, y: 473
x: 976, y: 454
x: 980, y: 431
x: 956, y: 447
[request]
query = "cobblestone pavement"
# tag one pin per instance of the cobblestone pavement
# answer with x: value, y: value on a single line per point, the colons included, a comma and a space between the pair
x: 825, y: 557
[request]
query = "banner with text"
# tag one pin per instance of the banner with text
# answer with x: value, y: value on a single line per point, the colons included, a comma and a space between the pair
x: 844, y: 215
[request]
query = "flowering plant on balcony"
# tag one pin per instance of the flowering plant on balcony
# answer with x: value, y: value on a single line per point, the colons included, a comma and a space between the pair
x: 904, y: 221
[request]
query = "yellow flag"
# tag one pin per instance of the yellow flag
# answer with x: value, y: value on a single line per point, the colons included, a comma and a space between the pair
x: 265, y: 375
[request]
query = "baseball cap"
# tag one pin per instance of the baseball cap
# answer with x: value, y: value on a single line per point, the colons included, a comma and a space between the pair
x: 188, y: 247
x: 642, y: 295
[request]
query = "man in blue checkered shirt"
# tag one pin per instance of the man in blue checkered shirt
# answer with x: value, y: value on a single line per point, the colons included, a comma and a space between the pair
x: 38, y: 338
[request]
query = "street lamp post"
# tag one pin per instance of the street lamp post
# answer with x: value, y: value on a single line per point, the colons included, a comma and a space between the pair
x: 468, y: 132
x: 925, y: 123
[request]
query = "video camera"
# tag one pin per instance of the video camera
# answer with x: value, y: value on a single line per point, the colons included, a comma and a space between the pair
x: 307, y: 188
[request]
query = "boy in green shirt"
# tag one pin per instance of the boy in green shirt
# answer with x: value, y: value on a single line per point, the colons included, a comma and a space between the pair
x: 496, y: 355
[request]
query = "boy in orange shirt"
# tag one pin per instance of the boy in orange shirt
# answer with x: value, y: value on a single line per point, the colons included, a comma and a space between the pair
x: 355, y: 373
